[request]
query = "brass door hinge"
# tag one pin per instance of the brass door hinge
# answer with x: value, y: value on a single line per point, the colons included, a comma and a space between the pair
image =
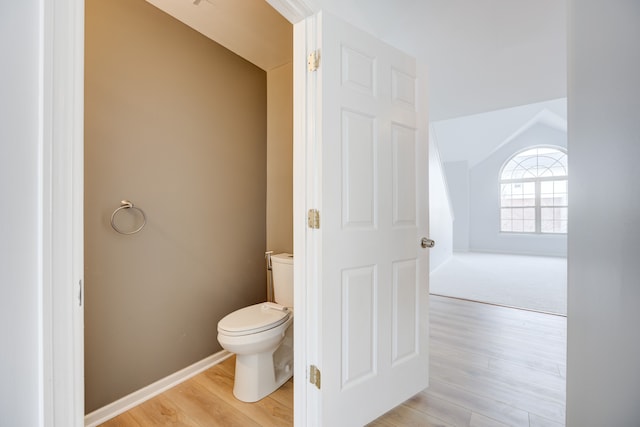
x: 314, y: 376
x: 313, y: 218
x: 313, y: 60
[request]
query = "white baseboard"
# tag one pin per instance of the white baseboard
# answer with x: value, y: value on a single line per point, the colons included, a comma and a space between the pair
x: 116, y: 408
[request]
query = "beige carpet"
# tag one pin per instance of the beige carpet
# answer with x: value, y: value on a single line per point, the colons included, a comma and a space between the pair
x: 530, y: 282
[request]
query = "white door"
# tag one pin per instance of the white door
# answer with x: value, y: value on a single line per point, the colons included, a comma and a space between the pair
x: 367, y: 145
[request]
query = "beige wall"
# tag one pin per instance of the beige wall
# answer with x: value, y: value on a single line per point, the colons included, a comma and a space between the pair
x: 280, y: 159
x: 178, y: 125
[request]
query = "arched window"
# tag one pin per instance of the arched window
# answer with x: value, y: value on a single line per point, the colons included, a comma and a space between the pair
x: 533, y: 192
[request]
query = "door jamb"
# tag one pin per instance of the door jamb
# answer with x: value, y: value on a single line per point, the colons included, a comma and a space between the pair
x: 305, y: 240
x: 305, y: 244
x: 61, y: 202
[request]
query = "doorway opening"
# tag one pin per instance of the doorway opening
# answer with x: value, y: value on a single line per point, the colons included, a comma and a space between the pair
x: 498, y: 296
x: 200, y: 139
x: 508, y: 233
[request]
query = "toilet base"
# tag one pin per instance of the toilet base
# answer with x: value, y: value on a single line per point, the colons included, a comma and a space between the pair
x: 258, y: 375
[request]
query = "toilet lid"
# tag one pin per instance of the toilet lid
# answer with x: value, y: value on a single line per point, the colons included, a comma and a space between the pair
x: 253, y: 319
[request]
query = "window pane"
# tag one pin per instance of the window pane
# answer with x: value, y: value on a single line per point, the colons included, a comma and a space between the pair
x: 505, y: 191
x: 560, y: 192
x: 530, y: 213
x: 545, y: 172
x: 563, y: 215
x: 529, y: 226
x: 529, y: 188
x: 516, y: 189
x: 530, y: 166
x: 560, y: 186
x: 554, y: 220
x: 516, y: 194
x: 546, y: 187
x: 553, y: 193
x: 547, y: 200
x: 535, y: 163
x: 560, y: 226
x: 505, y: 219
x: 518, y: 220
x: 529, y: 194
x: 558, y: 170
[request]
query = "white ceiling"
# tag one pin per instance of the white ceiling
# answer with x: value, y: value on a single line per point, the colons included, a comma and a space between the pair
x: 482, y: 55
x: 473, y: 138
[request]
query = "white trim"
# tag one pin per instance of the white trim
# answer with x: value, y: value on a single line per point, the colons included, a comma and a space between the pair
x: 122, y: 405
x: 312, y: 252
x: 62, y: 98
x: 305, y: 402
x: 293, y: 10
x: 299, y: 225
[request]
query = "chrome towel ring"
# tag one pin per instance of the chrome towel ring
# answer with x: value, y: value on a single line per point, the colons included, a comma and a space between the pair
x: 126, y: 204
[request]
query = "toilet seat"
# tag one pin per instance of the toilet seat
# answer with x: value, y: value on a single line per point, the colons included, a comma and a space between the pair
x: 253, y: 319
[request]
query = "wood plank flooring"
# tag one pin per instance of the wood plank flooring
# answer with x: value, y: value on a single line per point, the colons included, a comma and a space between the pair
x: 490, y: 366
x: 207, y: 400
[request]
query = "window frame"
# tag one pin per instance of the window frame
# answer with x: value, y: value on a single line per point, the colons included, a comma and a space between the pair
x: 537, y: 181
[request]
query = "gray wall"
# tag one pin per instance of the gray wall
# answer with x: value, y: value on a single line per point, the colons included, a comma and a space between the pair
x: 484, y: 200
x: 280, y: 159
x: 20, y: 233
x: 603, y: 377
x: 177, y: 124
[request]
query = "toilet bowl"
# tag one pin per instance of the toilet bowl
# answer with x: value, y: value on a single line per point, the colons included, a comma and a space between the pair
x: 261, y: 336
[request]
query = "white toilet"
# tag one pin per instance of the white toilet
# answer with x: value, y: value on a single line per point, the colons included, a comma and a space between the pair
x: 261, y: 336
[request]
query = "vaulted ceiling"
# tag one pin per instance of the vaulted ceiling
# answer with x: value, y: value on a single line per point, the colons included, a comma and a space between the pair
x: 474, y: 137
x: 482, y: 55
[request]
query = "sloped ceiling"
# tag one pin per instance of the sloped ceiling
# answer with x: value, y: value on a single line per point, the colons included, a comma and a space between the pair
x: 482, y: 55
x: 251, y: 29
x: 473, y: 138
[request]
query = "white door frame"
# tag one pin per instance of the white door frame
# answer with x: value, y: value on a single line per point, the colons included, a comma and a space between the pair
x: 62, y: 211
x: 306, y: 404
x: 61, y: 201
x: 306, y: 250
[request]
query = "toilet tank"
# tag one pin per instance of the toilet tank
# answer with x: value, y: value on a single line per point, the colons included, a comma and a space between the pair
x: 282, y: 274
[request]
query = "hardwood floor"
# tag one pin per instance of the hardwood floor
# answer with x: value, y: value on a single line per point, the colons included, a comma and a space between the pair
x: 207, y: 400
x: 490, y: 366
